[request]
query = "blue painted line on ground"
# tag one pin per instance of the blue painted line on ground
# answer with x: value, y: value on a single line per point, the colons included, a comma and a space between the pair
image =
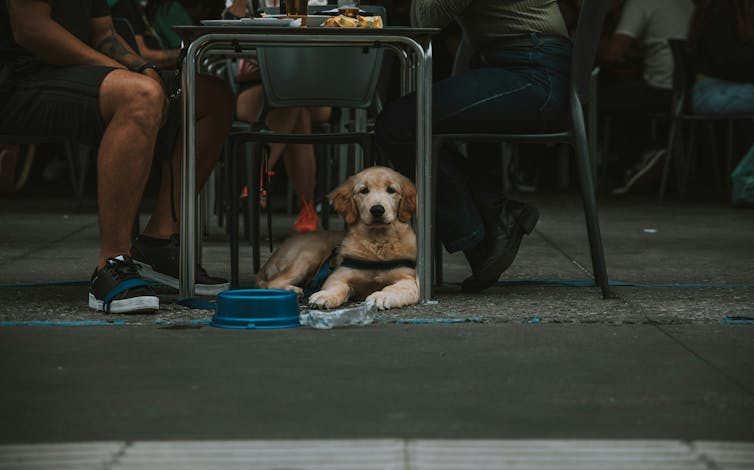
x: 196, y: 322
x: 44, y: 284
x: 426, y: 321
x: 738, y: 320
x: 62, y: 323
x: 199, y: 304
x: 42, y: 323
x: 526, y: 282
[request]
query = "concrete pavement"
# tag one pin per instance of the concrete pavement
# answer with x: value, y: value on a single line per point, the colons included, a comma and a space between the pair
x: 670, y: 359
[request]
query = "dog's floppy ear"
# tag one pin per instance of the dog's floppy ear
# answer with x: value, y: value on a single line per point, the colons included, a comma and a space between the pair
x: 342, y: 200
x: 407, y: 204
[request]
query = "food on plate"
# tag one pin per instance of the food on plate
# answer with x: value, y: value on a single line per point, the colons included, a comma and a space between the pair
x: 342, y: 21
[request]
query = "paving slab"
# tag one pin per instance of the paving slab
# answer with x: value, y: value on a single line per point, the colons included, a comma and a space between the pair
x: 383, y: 454
x: 409, y: 381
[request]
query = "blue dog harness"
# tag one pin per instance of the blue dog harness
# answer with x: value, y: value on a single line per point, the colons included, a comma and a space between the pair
x: 324, y: 271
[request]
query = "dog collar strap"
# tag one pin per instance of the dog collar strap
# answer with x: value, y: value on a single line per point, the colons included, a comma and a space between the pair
x: 369, y: 265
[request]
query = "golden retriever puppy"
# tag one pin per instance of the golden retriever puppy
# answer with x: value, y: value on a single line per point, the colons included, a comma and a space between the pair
x: 375, y: 259
x: 379, y: 250
x: 297, y: 260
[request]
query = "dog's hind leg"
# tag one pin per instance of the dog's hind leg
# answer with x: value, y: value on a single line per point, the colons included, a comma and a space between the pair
x: 288, y: 279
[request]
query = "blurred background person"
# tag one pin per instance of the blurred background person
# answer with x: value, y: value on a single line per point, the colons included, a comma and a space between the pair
x: 642, y: 31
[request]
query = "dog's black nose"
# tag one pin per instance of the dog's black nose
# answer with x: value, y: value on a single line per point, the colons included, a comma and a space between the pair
x: 377, y: 210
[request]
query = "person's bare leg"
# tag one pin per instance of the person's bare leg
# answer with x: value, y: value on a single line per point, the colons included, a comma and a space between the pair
x: 214, y: 106
x: 249, y: 105
x: 131, y: 106
x: 300, y: 162
x: 320, y: 114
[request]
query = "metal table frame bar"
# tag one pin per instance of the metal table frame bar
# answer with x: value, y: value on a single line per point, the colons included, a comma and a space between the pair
x: 416, y: 66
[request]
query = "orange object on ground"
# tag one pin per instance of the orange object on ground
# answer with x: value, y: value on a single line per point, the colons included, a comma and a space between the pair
x: 307, y: 220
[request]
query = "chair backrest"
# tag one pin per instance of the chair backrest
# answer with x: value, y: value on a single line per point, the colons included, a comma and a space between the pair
x: 319, y: 76
x: 682, y: 75
x: 336, y: 76
x: 585, y: 42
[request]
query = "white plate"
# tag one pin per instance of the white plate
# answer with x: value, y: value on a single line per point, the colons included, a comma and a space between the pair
x: 335, y: 11
x: 250, y: 22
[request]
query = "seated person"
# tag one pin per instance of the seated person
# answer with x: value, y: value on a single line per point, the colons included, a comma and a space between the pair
x: 299, y: 159
x: 131, y: 11
x: 646, y: 25
x: 70, y: 76
x: 722, y: 43
x: 518, y: 82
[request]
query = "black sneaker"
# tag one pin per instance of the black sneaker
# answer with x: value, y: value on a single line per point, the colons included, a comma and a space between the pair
x: 118, y: 288
x: 158, y: 261
x: 644, y: 176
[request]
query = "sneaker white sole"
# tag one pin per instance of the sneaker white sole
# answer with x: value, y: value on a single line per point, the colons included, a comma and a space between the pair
x: 147, y: 272
x: 145, y: 303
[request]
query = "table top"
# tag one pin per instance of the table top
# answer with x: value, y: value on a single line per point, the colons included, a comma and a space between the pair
x: 192, y: 32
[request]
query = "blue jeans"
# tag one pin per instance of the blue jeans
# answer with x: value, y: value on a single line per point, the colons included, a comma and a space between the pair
x: 711, y: 95
x: 520, y: 88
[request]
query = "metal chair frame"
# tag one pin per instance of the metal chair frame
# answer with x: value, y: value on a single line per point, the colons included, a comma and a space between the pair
x: 681, y: 113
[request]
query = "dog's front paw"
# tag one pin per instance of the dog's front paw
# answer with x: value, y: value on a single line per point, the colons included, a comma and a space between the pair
x: 323, y: 299
x: 381, y: 300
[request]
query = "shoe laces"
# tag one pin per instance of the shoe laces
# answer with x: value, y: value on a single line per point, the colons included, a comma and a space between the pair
x: 122, y: 267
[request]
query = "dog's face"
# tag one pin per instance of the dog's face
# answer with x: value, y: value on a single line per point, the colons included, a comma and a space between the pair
x: 376, y: 196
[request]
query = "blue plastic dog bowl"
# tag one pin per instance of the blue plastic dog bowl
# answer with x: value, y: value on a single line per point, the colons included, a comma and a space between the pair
x: 256, y: 309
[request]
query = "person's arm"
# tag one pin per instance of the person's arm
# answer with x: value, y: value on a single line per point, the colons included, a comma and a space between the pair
x: 107, y: 41
x: 165, y: 58
x: 622, y: 45
x: 436, y: 13
x: 35, y: 30
x: 616, y: 48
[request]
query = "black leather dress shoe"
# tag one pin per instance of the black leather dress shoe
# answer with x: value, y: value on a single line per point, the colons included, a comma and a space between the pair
x: 496, y: 252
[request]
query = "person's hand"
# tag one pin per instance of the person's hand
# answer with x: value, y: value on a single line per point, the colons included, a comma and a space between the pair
x: 745, y: 20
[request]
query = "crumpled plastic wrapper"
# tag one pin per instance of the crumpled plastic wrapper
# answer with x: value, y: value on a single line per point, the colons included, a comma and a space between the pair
x: 358, y: 315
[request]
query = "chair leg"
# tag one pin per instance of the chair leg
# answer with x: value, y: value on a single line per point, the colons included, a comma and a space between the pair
x: 436, y: 249
x: 323, y: 167
x: 249, y: 178
x: 604, y: 153
x: 685, y: 162
x: 506, y: 156
x: 232, y: 180
x: 439, y: 275
x: 255, y: 165
x: 714, y: 155
x: 729, y: 156
x: 83, y: 153
x: 590, y: 202
x: 78, y: 159
x: 671, y: 151
x: 564, y: 167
